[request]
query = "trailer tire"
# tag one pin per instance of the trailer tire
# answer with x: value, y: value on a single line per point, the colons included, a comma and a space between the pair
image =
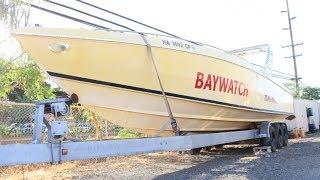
x: 279, y: 135
x: 285, y: 135
x: 270, y: 141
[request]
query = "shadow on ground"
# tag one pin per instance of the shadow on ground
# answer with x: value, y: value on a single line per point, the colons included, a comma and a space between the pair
x: 301, y: 160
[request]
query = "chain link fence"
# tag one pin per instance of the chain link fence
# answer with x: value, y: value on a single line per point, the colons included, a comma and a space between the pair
x: 17, y: 122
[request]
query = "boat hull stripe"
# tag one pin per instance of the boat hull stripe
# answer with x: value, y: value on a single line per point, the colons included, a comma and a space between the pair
x: 82, y: 79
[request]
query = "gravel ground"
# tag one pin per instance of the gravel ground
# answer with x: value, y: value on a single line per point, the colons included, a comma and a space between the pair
x: 300, y: 160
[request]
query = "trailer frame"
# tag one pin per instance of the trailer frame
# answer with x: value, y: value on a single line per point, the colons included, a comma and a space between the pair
x: 58, y: 149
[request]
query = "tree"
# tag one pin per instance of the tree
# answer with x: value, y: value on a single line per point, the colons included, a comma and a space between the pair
x: 22, y: 81
x: 292, y: 88
x: 312, y: 93
x: 14, y: 13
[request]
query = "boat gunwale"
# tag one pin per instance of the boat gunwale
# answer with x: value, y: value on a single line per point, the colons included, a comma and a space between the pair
x: 124, y: 42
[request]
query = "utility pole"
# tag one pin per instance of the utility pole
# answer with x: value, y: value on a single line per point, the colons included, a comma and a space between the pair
x: 292, y: 45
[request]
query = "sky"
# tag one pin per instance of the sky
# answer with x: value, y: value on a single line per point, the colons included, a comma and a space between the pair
x: 227, y: 24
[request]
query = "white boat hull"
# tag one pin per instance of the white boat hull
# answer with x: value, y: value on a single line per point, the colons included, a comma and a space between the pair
x: 112, y: 74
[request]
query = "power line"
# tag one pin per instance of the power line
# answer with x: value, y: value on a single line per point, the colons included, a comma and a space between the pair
x: 281, y: 77
x: 274, y: 72
x: 132, y: 20
x: 85, y: 13
x: 283, y: 73
x: 68, y: 17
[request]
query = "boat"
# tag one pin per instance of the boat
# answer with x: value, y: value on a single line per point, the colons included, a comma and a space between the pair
x: 114, y: 74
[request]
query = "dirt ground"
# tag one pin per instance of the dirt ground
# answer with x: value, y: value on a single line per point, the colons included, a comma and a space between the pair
x: 300, y: 160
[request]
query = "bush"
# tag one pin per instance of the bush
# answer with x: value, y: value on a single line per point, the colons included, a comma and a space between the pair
x: 4, y: 130
x: 125, y: 133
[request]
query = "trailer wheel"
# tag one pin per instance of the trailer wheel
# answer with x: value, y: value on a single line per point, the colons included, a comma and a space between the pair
x: 285, y: 135
x: 273, y: 139
x: 270, y: 141
x: 278, y: 135
x: 281, y: 136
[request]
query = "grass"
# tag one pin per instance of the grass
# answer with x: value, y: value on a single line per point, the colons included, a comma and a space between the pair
x: 126, y: 133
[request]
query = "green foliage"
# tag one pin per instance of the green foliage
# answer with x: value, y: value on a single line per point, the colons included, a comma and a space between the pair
x: 22, y: 81
x: 292, y: 88
x: 82, y: 115
x: 125, y: 133
x: 76, y: 131
x: 312, y: 93
x: 4, y: 130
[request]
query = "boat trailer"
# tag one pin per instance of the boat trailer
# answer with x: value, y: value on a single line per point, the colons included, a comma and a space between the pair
x: 58, y: 149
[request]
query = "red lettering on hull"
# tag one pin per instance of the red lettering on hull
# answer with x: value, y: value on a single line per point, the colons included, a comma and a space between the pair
x: 270, y: 99
x: 215, y: 81
x: 221, y: 84
x: 208, y: 83
x: 199, y: 81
